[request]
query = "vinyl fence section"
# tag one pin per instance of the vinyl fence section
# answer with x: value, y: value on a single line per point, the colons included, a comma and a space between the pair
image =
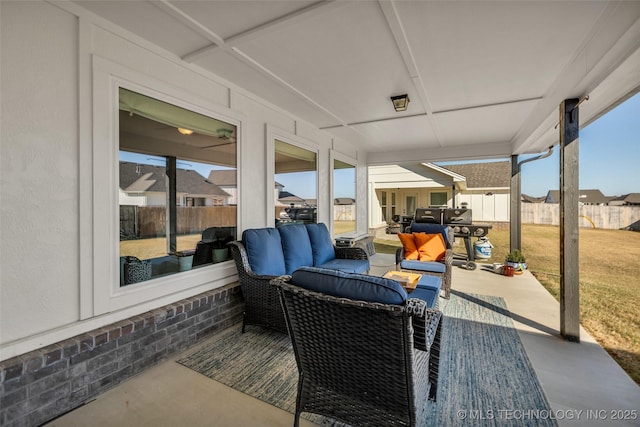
x: 591, y: 216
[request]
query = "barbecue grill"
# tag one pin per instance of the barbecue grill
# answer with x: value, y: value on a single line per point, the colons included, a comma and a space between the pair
x: 461, y: 222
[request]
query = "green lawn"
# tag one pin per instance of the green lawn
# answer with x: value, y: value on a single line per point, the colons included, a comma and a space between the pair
x: 609, y: 282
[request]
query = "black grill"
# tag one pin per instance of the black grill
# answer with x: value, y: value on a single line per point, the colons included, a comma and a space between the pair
x: 461, y: 221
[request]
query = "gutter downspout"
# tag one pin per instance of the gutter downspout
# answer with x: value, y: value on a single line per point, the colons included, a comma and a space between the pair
x: 515, y: 217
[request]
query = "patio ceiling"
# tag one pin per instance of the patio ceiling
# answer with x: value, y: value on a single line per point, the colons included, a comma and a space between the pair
x: 485, y: 78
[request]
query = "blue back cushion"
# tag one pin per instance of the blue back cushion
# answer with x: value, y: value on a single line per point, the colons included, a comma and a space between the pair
x: 350, y: 285
x: 422, y: 227
x: 321, y: 243
x: 264, y: 250
x: 296, y: 247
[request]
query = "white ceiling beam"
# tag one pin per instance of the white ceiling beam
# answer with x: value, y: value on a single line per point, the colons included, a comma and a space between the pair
x: 397, y: 30
x: 284, y: 21
x: 247, y: 35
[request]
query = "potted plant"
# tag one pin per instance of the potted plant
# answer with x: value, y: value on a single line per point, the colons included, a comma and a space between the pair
x: 220, y: 246
x: 516, y: 260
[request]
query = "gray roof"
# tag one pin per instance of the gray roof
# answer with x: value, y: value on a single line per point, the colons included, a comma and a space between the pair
x: 584, y: 196
x: 344, y: 201
x: 484, y: 175
x: 224, y: 178
x: 531, y: 199
x: 141, y: 177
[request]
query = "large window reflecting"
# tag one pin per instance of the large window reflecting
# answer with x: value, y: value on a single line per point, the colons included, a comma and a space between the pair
x: 296, y: 184
x: 177, y: 188
x: 344, y: 198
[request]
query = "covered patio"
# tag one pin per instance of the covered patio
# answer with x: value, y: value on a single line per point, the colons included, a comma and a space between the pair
x: 239, y: 86
x: 582, y: 383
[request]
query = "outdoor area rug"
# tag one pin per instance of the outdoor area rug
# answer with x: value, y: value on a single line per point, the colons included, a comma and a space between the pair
x: 486, y: 378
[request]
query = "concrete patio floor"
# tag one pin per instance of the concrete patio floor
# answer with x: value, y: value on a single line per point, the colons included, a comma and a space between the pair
x: 581, y: 381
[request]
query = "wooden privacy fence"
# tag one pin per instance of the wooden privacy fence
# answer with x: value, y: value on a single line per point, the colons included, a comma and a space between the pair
x: 591, y: 216
x: 150, y: 221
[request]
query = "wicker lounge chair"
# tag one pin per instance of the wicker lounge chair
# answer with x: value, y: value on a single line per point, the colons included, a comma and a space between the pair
x: 436, y: 268
x: 363, y: 363
x: 262, y: 306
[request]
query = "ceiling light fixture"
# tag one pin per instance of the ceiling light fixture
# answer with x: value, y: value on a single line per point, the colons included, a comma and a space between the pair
x: 400, y: 102
x: 224, y: 133
x: 185, y: 131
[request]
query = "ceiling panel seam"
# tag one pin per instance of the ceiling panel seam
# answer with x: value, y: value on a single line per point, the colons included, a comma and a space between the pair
x: 397, y: 31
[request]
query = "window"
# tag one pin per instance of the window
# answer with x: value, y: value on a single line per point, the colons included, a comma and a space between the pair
x: 383, y: 204
x: 177, y: 188
x: 344, y: 198
x: 297, y: 180
x: 438, y: 199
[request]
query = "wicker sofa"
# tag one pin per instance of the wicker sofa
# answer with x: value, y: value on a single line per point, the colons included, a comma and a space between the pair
x: 266, y: 253
x: 366, y: 353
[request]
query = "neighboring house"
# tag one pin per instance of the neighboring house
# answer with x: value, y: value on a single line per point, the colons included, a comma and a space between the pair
x: 227, y: 180
x: 631, y: 199
x: 397, y: 190
x: 344, y: 201
x: 530, y: 199
x: 585, y: 197
x: 144, y: 185
x: 287, y: 199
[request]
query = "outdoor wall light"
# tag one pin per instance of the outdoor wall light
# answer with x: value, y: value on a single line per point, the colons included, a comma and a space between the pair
x: 400, y: 102
x: 185, y: 131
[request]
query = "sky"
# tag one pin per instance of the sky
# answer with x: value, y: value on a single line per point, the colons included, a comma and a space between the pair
x: 609, y: 161
x: 609, y: 156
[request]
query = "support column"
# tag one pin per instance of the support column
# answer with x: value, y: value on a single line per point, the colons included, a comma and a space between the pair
x: 515, y: 221
x: 171, y: 216
x: 569, y: 227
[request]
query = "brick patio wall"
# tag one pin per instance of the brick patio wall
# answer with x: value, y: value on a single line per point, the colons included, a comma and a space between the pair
x: 43, y: 384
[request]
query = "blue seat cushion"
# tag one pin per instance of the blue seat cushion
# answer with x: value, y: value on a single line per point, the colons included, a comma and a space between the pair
x: 347, y: 265
x: 264, y: 250
x: 428, y: 295
x: 349, y: 285
x: 321, y: 243
x: 422, y: 227
x: 430, y: 282
x: 296, y: 247
x: 431, y: 266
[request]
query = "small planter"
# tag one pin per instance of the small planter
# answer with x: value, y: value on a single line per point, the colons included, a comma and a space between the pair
x: 508, y: 271
x: 518, y: 267
x: 516, y: 261
x: 220, y: 255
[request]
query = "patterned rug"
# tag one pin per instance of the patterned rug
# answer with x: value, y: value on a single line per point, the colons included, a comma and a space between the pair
x: 485, y: 378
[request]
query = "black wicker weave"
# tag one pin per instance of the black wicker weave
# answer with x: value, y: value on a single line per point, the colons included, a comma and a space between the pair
x: 262, y: 306
x: 261, y: 303
x: 357, y: 361
x: 448, y: 262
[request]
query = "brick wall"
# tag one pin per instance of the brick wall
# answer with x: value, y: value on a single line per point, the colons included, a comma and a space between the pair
x: 43, y: 384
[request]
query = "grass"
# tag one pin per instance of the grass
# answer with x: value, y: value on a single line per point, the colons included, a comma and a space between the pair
x: 609, y: 282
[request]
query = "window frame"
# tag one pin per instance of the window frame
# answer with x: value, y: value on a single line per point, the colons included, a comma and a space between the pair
x: 104, y: 294
x: 272, y: 133
x: 333, y: 156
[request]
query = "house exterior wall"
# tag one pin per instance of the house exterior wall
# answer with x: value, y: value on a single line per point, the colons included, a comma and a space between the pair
x: 57, y: 146
x: 405, y: 183
x: 486, y: 208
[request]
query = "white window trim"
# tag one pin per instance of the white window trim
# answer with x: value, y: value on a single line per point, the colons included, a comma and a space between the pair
x: 107, y: 294
x: 272, y: 133
x: 333, y: 156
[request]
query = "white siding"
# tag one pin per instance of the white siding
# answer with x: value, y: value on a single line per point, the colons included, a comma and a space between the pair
x: 59, y: 183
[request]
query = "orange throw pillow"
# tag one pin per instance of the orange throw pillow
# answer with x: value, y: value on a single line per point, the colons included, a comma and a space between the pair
x: 409, y: 244
x: 431, y: 247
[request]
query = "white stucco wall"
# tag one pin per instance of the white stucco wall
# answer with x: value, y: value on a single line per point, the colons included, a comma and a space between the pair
x: 58, y: 181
